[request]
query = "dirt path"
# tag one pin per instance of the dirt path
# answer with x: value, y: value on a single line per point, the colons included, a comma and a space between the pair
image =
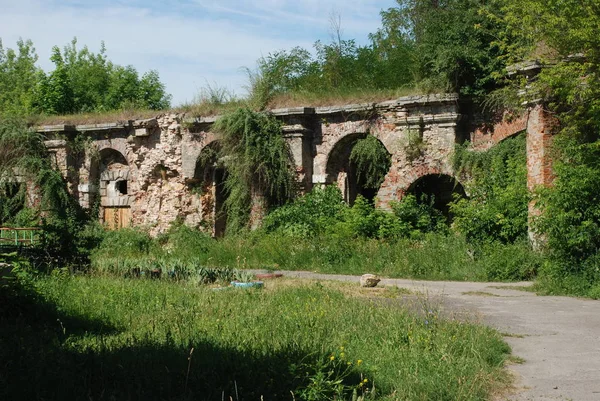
x: 558, y: 337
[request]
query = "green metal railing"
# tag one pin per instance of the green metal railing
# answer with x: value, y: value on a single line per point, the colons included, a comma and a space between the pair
x: 19, y: 236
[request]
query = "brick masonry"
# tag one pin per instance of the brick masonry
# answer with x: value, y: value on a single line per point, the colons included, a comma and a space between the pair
x: 152, y: 166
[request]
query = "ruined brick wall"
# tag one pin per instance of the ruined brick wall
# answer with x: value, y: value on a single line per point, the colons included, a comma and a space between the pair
x: 484, y: 135
x: 160, y: 179
x: 433, y: 118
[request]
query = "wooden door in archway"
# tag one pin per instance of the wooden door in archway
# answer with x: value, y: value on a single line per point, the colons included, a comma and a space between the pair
x: 117, y: 217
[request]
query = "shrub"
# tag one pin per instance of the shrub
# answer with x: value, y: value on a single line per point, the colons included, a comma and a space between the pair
x: 509, y: 262
x: 126, y: 242
x: 308, y: 215
x: 418, y: 217
x: 498, y: 205
x: 570, y: 221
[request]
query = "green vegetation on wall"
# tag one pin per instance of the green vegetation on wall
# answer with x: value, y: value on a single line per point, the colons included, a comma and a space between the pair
x: 372, y: 162
x: 34, y: 193
x: 258, y: 163
x: 564, y: 36
x: 497, y: 206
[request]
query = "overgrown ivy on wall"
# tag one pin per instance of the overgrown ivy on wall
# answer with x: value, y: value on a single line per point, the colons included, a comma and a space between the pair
x: 372, y: 162
x: 24, y: 162
x: 258, y: 163
x: 497, y: 207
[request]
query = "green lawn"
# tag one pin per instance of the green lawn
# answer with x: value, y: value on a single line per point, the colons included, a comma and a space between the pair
x: 102, y: 338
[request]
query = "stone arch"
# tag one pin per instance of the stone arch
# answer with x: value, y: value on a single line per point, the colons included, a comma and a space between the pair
x: 115, y: 197
x: 209, y: 183
x: 191, y: 151
x: 510, y: 135
x: 341, y: 172
x: 485, y: 137
x: 441, y: 187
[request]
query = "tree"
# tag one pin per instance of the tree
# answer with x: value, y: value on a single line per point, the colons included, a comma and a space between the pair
x: 82, y: 81
x: 55, y: 90
x: 393, y: 52
x: 152, y: 92
x: 454, y: 46
x: 18, y: 78
x: 89, y: 74
x: 564, y: 36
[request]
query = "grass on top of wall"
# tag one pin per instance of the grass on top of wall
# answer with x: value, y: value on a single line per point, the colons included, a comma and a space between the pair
x: 105, y: 338
x: 207, y: 108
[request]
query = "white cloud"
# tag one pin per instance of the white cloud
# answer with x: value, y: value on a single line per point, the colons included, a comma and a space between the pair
x: 188, y: 43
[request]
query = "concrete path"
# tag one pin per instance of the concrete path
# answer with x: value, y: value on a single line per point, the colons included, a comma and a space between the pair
x: 558, y: 337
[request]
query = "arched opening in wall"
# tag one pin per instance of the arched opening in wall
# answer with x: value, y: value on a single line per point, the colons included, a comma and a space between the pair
x: 115, y: 202
x: 440, y: 189
x: 209, y: 183
x: 112, y: 159
x: 357, y: 164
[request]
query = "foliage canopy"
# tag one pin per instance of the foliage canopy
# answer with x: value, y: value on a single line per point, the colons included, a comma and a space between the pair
x: 82, y: 81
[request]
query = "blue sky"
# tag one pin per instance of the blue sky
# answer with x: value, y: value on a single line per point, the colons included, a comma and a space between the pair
x: 189, y: 42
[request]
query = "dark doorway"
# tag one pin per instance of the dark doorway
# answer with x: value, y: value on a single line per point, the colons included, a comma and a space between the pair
x: 440, y: 189
x: 342, y: 172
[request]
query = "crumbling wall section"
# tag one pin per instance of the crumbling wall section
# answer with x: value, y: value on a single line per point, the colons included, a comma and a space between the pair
x: 164, y: 161
x: 160, y: 181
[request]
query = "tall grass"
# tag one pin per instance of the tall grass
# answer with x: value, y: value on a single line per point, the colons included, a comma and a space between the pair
x: 432, y: 257
x: 106, y: 338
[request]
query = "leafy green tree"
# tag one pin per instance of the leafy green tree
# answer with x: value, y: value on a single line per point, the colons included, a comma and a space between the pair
x: 393, y: 52
x: 89, y: 74
x: 55, y: 91
x: 122, y: 88
x: 288, y: 70
x: 564, y: 36
x: 152, y: 92
x: 18, y: 78
x: 82, y: 81
x: 454, y: 45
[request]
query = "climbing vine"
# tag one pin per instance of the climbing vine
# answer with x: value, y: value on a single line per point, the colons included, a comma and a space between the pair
x: 496, y: 179
x: 25, y: 166
x: 258, y: 163
x: 372, y: 162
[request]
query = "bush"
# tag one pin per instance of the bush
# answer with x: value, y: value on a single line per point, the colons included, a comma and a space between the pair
x: 185, y: 242
x: 418, y: 217
x: 509, y: 262
x: 308, y: 215
x: 126, y: 242
x: 497, y: 209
